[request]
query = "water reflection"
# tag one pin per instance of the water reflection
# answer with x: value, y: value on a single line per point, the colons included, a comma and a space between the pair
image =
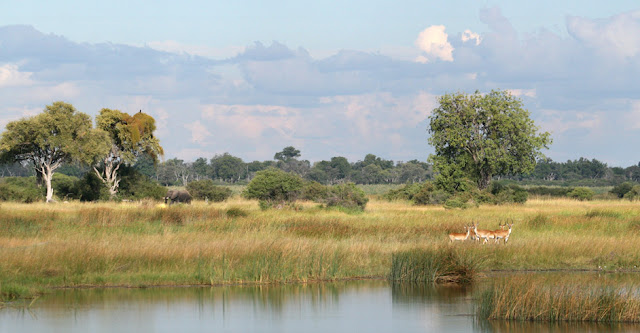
x: 356, y: 306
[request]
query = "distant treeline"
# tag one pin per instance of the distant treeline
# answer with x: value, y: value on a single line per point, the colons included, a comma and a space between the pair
x: 229, y: 169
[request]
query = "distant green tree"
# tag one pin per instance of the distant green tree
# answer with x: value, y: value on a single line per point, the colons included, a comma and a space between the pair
x: 484, y: 135
x: 205, y: 190
x: 228, y: 168
x: 131, y: 136
x: 59, y: 134
x: 287, y: 154
x: 274, y: 185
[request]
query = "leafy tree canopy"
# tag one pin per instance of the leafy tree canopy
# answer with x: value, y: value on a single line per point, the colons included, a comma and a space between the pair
x: 485, y: 135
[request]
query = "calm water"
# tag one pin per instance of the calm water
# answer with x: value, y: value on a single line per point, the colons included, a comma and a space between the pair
x: 358, y: 306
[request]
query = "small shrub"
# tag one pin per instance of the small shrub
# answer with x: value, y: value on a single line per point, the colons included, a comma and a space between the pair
x: 406, y: 192
x: 456, y: 202
x: 550, y: 191
x: 510, y: 193
x: 347, y: 196
x: 205, y: 189
x: 538, y: 221
x: 274, y: 185
x: 90, y: 188
x: 430, y: 195
x: 20, y: 189
x: 314, y: 191
x: 581, y: 193
x: 621, y: 189
x: 633, y: 194
x: 237, y: 212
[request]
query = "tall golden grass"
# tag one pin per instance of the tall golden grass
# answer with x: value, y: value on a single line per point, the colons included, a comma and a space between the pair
x: 138, y: 244
x: 568, y: 298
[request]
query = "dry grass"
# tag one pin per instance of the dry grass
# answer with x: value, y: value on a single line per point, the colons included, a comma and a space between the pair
x: 143, y: 244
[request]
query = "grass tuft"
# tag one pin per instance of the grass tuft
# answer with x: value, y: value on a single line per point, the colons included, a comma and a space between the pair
x: 436, y: 266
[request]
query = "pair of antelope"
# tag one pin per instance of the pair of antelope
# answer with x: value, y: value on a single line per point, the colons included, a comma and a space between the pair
x: 485, y: 234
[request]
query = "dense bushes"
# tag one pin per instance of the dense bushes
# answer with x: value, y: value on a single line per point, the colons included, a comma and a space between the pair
x: 581, y: 193
x: 21, y: 189
x: 206, y: 190
x: 273, y: 186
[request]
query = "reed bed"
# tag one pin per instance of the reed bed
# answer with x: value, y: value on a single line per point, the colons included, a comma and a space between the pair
x: 442, y: 265
x: 535, y: 298
x: 141, y: 243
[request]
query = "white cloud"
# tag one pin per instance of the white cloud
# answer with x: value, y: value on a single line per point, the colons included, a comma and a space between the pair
x: 198, y: 132
x: 523, y: 92
x: 199, y: 50
x: 469, y: 35
x: 633, y: 116
x: 10, y: 76
x: 434, y: 42
x: 618, y: 36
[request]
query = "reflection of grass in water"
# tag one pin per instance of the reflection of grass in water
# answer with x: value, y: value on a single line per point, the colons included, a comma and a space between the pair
x: 573, y: 298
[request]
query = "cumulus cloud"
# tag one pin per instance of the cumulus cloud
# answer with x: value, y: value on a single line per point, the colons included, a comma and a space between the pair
x: 433, y: 41
x: 469, y: 35
x: 617, y: 36
x: 10, y: 76
x: 173, y: 46
x: 198, y: 131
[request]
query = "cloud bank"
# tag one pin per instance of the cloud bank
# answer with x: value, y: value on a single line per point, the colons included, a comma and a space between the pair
x: 255, y: 100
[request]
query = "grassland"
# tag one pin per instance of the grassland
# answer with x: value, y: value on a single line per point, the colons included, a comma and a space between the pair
x: 141, y: 244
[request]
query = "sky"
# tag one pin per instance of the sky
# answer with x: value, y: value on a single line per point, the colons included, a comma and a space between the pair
x: 331, y: 78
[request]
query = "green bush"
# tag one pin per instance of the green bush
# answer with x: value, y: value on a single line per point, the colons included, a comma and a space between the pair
x: 429, y: 195
x: 134, y: 185
x: 633, y: 194
x: 90, y: 188
x: 205, y: 189
x: 507, y: 193
x: 274, y: 185
x: 20, y: 189
x: 406, y: 192
x: 581, y: 193
x: 347, y: 196
x: 456, y: 202
x: 621, y: 189
x: 552, y: 191
x: 64, y: 187
x: 314, y: 191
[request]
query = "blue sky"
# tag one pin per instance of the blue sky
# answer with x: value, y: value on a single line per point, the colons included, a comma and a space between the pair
x: 331, y: 78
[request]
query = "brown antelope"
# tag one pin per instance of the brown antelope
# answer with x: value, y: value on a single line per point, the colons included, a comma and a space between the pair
x: 503, y: 234
x: 454, y: 236
x: 480, y: 233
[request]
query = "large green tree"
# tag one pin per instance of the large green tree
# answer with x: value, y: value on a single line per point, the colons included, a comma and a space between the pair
x: 485, y: 135
x: 131, y: 136
x: 59, y: 134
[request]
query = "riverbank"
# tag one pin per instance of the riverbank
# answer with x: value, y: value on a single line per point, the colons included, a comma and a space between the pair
x: 142, y: 244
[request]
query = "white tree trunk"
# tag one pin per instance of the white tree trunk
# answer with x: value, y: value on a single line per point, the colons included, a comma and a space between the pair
x: 110, y: 175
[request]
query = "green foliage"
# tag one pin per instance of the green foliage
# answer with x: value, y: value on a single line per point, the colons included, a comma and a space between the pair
x: 90, y: 188
x: 136, y: 186
x: 456, y: 202
x: 287, y: 154
x: 273, y: 185
x: 315, y: 191
x: 429, y: 195
x: 406, y: 192
x: 347, y: 196
x: 64, y: 186
x: 59, y: 134
x: 205, y: 189
x: 552, y: 191
x: 621, y: 189
x: 484, y: 135
x: 581, y: 193
x: 633, y: 194
x: 508, y: 193
x: 20, y: 189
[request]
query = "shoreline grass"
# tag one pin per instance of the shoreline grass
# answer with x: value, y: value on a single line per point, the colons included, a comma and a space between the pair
x: 141, y: 244
x: 569, y: 299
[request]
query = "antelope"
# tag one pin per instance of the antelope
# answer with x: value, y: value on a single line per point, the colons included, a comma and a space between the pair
x: 454, y: 236
x: 504, y: 234
x: 486, y: 234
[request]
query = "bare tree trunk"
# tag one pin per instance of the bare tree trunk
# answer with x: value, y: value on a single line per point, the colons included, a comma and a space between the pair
x: 110, y: 175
